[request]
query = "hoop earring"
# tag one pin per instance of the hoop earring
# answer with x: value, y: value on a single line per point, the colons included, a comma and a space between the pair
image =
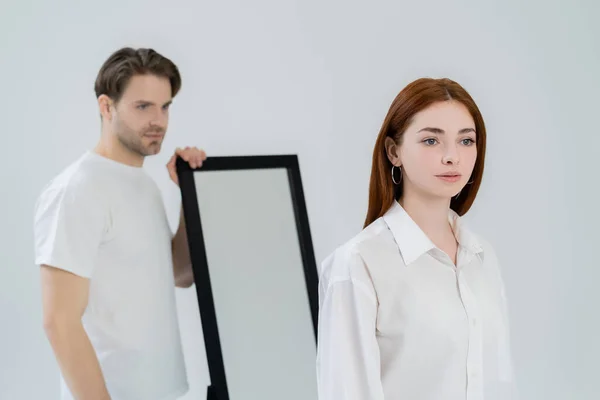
x: 393, y: 179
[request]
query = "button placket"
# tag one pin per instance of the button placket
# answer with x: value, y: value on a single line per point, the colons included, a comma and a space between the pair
x: 474, y: 355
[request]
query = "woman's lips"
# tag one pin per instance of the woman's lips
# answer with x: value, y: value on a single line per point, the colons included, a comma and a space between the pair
x: 449, y: 178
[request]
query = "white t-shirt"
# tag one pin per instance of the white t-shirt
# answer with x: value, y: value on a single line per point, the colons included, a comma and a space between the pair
x: 106, y: 221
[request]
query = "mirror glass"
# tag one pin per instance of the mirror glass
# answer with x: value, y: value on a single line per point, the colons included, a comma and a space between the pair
x: 253, y: 254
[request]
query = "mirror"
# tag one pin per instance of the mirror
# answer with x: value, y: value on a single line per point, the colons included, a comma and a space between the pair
x: 255, y: 276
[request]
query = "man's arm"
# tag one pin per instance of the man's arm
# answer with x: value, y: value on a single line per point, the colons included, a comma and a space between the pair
x: 64, y: 299
x: 182, y: 264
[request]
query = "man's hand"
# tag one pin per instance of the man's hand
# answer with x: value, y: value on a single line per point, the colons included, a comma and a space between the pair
x: 193, y: 155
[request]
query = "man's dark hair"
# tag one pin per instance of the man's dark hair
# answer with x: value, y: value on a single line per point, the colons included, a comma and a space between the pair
x: 123, y: 64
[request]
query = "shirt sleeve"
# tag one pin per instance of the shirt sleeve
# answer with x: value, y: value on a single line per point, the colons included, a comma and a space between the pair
x: 507, y: 383
x: 507, y: 373
x: 348, y: 362
x: 69, y: 224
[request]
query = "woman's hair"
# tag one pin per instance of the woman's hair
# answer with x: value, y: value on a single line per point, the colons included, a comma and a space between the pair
x: 123, y: 64
x: 414, y: 98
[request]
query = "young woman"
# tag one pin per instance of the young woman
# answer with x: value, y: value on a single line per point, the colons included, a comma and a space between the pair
x: 413, y: 307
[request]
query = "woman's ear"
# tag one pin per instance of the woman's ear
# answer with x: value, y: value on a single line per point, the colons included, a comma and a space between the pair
x: 392, y: 150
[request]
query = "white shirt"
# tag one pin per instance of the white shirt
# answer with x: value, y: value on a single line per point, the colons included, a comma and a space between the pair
x: 398, y: 321
x: 105, y: 221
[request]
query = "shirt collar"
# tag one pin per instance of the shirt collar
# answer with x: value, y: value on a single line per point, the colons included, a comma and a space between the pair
x: 413, y: 242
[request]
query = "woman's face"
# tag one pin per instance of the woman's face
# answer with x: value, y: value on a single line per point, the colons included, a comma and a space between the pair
x: 437, y: 152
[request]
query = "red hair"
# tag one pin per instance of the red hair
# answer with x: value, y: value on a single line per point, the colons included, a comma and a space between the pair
x: 414, y: 98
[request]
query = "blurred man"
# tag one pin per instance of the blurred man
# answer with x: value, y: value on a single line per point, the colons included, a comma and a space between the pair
x: 109, y: 261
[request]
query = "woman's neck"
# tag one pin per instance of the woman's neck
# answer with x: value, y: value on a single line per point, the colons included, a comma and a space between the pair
x: 430, y: 214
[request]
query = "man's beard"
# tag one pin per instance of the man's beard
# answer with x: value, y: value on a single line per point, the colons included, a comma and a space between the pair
x: 132, y: 140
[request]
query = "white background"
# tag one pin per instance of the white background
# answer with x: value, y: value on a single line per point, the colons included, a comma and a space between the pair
x: 316, y: 78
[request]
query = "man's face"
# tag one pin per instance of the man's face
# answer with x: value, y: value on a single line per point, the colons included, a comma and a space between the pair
x: 141, y: 116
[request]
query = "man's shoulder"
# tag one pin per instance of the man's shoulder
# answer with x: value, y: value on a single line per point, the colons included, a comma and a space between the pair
x: 77, y: 179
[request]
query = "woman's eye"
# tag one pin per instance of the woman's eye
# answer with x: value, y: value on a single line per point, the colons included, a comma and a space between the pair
x: 142, y: 106
x: 430, y: 142
x: 468, y: 142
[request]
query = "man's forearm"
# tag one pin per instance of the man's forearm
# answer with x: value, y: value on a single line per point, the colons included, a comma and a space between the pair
x: 77, y: 361
x: 182, y: 264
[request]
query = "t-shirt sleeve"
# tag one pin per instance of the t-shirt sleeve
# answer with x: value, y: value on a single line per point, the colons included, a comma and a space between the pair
x: 69, y: 225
